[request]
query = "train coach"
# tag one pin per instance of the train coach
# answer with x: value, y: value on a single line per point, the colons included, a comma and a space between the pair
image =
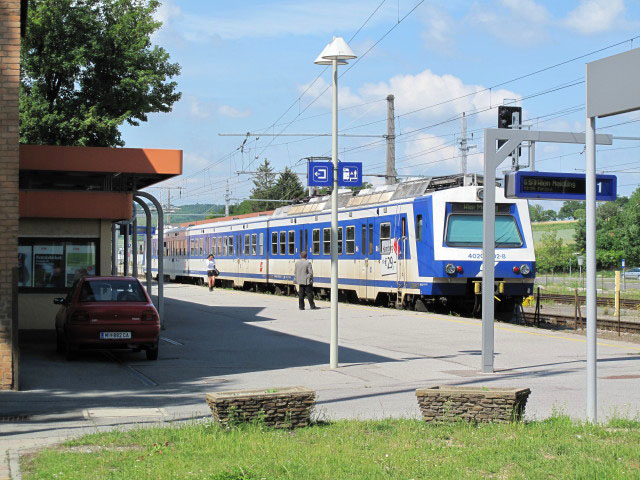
x: 413, y: 244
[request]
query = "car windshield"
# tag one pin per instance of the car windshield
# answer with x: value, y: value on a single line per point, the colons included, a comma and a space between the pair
x: 112, y: 291
x: 466, y: 231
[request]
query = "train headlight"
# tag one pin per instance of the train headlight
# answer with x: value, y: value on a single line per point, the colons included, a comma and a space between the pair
x: 524, y: 269
x: 516, y: 270
x: 480, y: 194
x: 450, y: 268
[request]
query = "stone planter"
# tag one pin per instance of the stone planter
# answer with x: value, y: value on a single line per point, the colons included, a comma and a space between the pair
x: 288, y: 407
x: 474, y: 404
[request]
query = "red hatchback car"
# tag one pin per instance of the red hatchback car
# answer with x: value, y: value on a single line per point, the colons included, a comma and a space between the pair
x: 107, y: 312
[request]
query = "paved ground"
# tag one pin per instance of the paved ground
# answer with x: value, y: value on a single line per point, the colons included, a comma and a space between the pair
x: 227, y: 340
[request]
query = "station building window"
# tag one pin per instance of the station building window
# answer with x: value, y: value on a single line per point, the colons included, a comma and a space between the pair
x: 54, y: 264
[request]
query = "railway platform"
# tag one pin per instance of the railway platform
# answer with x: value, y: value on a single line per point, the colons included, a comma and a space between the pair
x: 230, y: 340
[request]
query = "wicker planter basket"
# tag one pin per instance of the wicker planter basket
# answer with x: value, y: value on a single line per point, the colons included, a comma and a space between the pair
x: 474, y: 404
x: 287, y: 407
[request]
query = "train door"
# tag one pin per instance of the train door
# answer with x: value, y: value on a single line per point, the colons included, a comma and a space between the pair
x: 369, y: 263
x: 400, y: 247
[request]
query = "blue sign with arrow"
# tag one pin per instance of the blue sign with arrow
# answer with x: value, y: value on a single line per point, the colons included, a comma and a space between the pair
x: 350, y: 174
x: 320, y: 174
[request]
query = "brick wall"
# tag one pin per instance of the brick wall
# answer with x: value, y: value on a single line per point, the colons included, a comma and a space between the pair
x: 9, y: 124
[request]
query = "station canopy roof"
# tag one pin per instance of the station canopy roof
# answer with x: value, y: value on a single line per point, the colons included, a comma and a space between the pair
x: 97, y: 169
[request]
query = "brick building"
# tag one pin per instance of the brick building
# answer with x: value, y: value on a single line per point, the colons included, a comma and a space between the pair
x: 9, y: 165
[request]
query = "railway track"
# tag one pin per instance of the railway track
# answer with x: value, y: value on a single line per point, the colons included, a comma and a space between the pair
x: 554, y: 320
x: 601, y: 301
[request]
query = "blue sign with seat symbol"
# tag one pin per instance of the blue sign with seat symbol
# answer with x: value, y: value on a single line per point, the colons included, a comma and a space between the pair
x: 320, y: 174
x: 350, y: 174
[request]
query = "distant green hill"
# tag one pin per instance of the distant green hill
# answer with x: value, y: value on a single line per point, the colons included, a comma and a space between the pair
x: 197, y: 211
x: 564, y: 229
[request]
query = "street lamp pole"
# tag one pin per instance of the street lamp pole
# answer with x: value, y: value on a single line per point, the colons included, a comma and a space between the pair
x: 334, y: 54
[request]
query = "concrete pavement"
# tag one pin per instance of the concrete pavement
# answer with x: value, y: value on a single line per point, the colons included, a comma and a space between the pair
x: 228, y: 340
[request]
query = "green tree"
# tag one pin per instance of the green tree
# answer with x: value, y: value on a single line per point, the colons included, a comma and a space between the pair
x: 88, y: 66
x: 263, y: 187
x: 539, y: 214
x: 571, y: 209
x: 552, y: 254
x: 288, y: 186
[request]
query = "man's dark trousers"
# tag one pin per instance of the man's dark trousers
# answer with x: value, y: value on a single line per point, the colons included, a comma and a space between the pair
x: 308, y: 291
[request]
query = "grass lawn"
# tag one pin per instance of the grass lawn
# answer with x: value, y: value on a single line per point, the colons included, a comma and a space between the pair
x: 388, y: 449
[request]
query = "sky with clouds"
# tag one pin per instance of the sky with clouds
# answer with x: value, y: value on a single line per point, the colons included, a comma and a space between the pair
x: 248, y: 67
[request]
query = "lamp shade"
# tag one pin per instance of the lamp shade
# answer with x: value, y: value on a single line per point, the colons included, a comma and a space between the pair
x: 338, y: 49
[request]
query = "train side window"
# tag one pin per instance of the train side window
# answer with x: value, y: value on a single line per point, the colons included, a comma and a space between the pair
x: 363, y: 240
x: 339, y: 240
x: 403, y: 224
x: 231, y: 245
x: 219, y: 249
x: 261, y: 244
x: 247, y: 244
x: 371, y: 239
x: 201, y: 246
x: 225, y: 246
x: 385, y: 233
x: 301, y: 241
x: 351, y: 240
x: 418, y: 228
x: 254, y: 244
x: 292, y: 242
x: 283, y: 243
x: 326, y: 241
x: 274, y: 243
x: 315, y: 241
x: 306, y: 240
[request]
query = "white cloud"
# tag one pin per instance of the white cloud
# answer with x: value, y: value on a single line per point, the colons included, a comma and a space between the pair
x: 595, y: 16
x: 517, y: 21
x: 432, y: 155
x: 229, y: 111
x: 440, y: 28
x: 320, y: 88
x: 197, y: 109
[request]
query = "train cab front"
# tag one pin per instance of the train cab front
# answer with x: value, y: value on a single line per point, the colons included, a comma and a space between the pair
x: 457, y: 266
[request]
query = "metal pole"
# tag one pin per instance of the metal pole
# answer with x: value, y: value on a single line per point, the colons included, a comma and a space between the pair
x: 163, y: 323
x: 532, y: 156
x: 125, y: 271
x: 488, y: 253
x: 114, y: 249
x: 391, y: 173
x: 592, y: 405
x: 333, y: 351
x: 134, y: 243
x: 149, y: 273
x: 463, y: 145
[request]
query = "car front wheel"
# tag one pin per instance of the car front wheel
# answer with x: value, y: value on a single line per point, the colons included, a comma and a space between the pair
x: 152, y: 352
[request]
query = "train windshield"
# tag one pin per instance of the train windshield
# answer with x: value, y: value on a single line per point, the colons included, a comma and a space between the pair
x: 466, y: 231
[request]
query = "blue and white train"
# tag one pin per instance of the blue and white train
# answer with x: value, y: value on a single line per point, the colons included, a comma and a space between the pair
x: 413, y: 244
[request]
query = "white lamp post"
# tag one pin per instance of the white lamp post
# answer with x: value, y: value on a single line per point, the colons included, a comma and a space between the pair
x: 335, y: 53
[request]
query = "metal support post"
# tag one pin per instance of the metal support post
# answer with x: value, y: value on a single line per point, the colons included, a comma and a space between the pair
x: 134, y: 243
x: 163, y: 323
x: 333, y: 350
x: 148, y: 272
x: 126, y: 249
x: 114, y: 249
x: 590, y: 149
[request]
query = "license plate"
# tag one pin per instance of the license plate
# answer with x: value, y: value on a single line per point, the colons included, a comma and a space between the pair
x: 114, y: 335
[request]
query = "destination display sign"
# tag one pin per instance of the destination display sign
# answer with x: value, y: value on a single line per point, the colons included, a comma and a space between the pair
x: 557, y: 186
x: 468, y: 207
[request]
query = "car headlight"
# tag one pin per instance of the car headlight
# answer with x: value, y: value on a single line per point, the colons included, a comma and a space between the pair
x: 524, y: 269
x: 450, y: 268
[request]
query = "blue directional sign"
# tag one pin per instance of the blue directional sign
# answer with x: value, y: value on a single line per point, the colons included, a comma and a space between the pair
x: 557, y: 186
x: 350, y: 174
x: 320, y: 174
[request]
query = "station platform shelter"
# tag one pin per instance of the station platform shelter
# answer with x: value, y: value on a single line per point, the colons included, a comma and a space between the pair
x: 69, y: 199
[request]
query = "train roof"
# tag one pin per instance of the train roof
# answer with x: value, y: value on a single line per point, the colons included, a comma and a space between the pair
x: 382, y: 194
